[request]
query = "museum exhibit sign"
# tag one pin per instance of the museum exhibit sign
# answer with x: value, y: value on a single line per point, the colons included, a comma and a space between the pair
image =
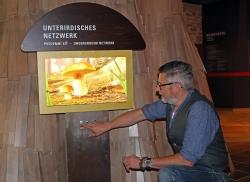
x: 84, y: 58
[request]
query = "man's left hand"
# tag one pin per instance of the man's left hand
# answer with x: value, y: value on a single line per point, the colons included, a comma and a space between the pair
x: 131, y: 162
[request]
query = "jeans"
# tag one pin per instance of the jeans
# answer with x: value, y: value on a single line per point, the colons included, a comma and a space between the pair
x: 191, y: 174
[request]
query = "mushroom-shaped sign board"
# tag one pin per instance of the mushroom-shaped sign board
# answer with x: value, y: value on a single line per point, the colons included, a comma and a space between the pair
x: 84, y: 54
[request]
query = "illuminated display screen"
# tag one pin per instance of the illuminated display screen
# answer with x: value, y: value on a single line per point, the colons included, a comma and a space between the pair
x: 75, y: 81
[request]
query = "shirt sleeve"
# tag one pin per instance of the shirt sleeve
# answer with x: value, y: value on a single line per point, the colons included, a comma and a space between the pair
x: 202, y: 124
x: 154, y: 111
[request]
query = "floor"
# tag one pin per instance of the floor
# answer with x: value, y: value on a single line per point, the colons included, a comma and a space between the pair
x: 236, y: 129
x: 242, y: 166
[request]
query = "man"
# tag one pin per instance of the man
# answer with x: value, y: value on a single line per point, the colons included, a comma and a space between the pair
x: 193, y: 130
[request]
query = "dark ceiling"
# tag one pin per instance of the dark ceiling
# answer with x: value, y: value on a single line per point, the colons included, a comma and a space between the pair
x: 201, y: 1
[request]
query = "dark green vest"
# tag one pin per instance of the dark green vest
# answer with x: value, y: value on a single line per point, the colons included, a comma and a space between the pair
x: 215, y: 155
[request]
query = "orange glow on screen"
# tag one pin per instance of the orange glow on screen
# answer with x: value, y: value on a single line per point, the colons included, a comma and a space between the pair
x: 86, y: 80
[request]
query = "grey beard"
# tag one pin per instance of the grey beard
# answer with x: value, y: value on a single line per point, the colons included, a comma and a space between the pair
x: 168, y: 100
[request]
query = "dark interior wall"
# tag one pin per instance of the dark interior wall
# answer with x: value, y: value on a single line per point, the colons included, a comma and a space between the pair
x: 221, y: 34
x: 226, y: 35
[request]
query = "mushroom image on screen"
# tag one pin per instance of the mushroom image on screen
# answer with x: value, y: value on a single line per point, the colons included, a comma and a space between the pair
x: 67, y: 91
x: 77, y: 72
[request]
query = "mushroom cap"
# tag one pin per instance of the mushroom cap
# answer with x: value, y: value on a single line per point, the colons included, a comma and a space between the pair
x: 79, y: 69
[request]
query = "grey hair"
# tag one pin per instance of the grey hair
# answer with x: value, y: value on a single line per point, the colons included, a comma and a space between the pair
x: 178, y: 71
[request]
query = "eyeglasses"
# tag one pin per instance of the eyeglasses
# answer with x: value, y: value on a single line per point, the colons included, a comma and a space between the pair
x: 163, y: 84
